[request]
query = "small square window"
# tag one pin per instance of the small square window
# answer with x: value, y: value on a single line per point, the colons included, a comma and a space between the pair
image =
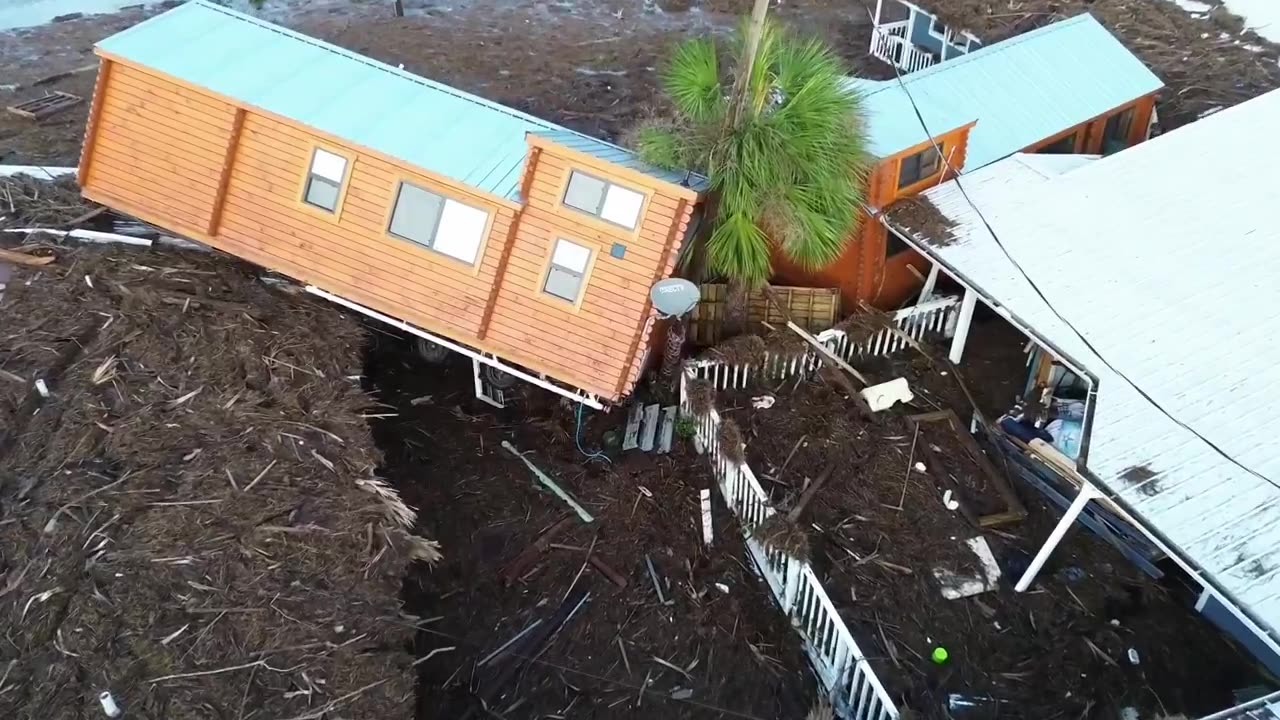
x: 324, y: 180
x: 565, y: 273
x: 607, y: 201
x: 920, y: 166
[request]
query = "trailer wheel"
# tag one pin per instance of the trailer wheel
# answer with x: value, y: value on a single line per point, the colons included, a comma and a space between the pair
x: 429, y: 351
x: 498, y: 378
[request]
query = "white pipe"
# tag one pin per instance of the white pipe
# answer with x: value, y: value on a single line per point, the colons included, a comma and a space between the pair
x: 962, y: 325
x: 587, y: 400
x: 90, y: 236
x: 1087, y: 492
x: 40, y: 172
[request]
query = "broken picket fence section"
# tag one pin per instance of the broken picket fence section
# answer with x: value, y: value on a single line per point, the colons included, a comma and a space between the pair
x: 840, y: 665
x: 928, y: 318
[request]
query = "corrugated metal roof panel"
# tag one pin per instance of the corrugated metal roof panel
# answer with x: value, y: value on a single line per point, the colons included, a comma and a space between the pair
x: 620, y: 156
x: 424, y: 123
x: 1020, y: 91
x: 1159, y: 256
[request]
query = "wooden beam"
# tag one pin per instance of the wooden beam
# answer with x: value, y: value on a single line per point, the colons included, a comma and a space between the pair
x: 679, y: 219
x: 526, y: 183
x: 224, y: 178
x: 91, y: 128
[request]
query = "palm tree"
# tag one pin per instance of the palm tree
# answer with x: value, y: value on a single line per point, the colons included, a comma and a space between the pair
x: 783, y: 148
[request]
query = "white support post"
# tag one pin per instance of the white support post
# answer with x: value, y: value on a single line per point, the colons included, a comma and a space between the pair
x: 1087, y: 492
x: 962, y: 325
x: 926, y: 292
x: 879, y: 4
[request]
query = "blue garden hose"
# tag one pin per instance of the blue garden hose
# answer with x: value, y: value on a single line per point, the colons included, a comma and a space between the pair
x: 577, y: 439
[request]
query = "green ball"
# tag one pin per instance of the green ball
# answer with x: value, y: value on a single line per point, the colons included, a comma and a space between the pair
x: 940, y: 655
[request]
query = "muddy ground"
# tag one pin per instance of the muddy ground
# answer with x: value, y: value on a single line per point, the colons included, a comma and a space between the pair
x: 736, y: 656
x: 878, y: 529
x: 592, y: 66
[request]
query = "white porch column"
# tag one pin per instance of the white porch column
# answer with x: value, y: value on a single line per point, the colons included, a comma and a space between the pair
x: 1087, y: 492
x: 879, y: 3
x: 962, y: 324
x: 926, y: 292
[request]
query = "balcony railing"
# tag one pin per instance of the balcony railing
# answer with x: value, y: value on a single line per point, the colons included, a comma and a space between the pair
x: 889, y: 43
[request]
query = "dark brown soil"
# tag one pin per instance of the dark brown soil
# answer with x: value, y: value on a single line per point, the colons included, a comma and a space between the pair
x: 191, y: 520
x: 445, y: 454
x: 877, y: 532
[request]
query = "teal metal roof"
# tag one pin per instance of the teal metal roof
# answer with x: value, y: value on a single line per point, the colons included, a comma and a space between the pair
x: 1020, y: 91
x: 422, y: 122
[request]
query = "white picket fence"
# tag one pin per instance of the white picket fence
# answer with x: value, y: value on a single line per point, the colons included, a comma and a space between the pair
x: 935, y: 316
x: 855, y: 692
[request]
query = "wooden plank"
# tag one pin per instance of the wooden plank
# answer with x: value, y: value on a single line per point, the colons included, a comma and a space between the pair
x: 631, y: 436
x: 531, y: 164
x: 224, y: 177
x: 637, y: 358
x: 349, y: 246
x: 667, y: 435
x: 310, y: 131
x: 91, y: 127
x: 649, y: 427
x: 192, y: 180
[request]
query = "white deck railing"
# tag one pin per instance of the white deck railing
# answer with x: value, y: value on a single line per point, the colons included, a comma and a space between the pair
x: 933, y: 316
x: 889, y: 43
x: 855, y: 691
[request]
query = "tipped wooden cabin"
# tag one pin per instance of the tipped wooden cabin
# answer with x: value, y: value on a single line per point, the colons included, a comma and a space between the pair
x: 529, y: 247
x: 1066, y: 88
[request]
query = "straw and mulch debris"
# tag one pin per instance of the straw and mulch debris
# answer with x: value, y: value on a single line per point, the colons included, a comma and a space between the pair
x: 189, y: 516
x: 27, y: 201
x: 1206, y: 60
x: 878, y: 531
x: 919, y: 215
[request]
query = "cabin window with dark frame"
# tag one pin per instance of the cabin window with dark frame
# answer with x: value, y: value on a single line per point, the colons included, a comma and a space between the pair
x: 566, y: 270
x: 436, y: 222
x: 1065, y: 146
x: 610, y: 202
x: 1115, y: 134
x: 324, y: 180
x: 915, y: 168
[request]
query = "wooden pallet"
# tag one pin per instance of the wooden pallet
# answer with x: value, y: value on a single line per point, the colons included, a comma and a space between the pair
x: 47, y: 106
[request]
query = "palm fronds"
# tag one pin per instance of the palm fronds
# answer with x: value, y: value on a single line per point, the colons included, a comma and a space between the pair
x: 789, y: 171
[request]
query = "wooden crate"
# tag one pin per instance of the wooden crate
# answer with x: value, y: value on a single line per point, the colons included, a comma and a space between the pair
x: 814, y: 309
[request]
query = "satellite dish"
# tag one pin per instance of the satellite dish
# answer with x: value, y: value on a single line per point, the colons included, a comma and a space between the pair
x: 674, y: 297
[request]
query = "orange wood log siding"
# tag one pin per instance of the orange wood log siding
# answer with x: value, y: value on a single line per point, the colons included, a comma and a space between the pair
x: 602, y: 332
x: 864, y: 273
x: 860, y: 272
x: 159, y: 151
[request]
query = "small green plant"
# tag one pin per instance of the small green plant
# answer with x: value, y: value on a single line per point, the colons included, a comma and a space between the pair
x: 686, y: 428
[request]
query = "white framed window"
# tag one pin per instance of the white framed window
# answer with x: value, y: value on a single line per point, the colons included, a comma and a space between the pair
x: 567, y: 270
x: 434, y: 221
x: 608, y: 201
x: 324, y: 180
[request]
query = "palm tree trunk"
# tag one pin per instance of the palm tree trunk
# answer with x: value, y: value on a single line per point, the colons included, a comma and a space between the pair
x: 736, y: 309
x: 673, y: 351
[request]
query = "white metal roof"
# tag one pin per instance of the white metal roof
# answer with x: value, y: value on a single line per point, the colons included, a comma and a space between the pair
x: 1164, y: 257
